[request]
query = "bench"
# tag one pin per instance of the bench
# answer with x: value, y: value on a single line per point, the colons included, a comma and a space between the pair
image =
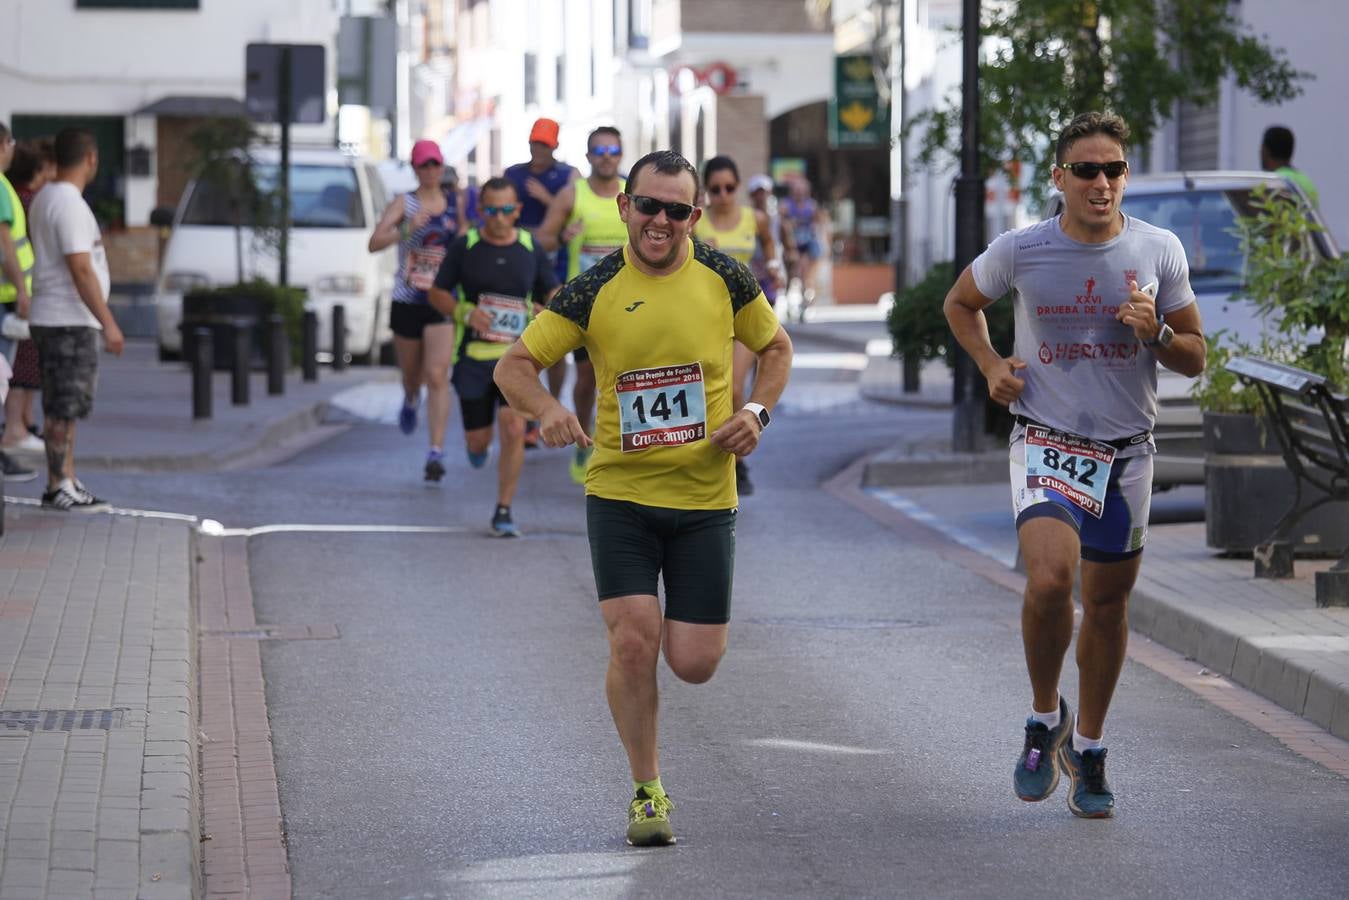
x: 1311, y: 423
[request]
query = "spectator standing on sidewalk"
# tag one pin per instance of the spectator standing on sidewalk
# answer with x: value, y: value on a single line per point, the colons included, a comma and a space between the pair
x: 70, y: 308
x: 422, y: 223
x: 16, y: 279
x: 491, y: 281
x: 33, y: 166
x: 1276, y: 155
x: 1082, y: 384
x: 659, y: 319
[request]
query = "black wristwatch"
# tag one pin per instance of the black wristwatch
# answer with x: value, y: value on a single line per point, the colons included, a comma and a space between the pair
x: 758, y: 410
x: 1164, y: 337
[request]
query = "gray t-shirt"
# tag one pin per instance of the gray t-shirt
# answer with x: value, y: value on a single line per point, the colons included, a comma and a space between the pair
x: 1086, y: 373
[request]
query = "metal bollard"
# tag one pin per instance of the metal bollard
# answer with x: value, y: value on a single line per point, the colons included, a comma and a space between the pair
x: 913, y: 379
x: 339, y: 337
x: 203, y: 361
x: 243, y: 351
x: 310, y: 363
x: 276, y: 355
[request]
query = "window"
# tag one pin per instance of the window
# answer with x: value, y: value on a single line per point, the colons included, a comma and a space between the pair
x: 137, y: 4
x: 320, y: 197
x: 531, y: 78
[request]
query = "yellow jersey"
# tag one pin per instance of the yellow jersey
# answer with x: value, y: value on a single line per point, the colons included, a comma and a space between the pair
x: 662, y: 354
x: 738, y: 243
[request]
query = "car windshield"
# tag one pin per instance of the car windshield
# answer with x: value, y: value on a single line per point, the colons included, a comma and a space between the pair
x: 1206, y: 223
x: 320, y: 197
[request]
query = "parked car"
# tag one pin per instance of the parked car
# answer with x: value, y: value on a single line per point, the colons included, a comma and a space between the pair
x: 335, y: 200
x: 1202, y: 208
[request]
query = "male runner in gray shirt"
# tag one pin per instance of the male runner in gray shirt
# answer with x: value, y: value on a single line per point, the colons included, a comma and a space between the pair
x: 1099, y: 299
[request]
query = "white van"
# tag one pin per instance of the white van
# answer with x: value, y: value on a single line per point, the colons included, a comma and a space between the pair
x: 335, y: 201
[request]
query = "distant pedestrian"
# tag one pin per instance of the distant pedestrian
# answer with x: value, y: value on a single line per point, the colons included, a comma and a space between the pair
x: 16, y: 279
x: 803, y: 216
x: 33, y: 166
x: 538, y: 181
x: 1082, y: 385
x: 70, y: 307
x: 1276, y: 155
x: 422, y: 223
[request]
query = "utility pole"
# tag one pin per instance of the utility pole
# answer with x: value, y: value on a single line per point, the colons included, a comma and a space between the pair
x: 969, y: 389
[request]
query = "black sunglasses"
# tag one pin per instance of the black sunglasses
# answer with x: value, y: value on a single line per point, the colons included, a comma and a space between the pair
x: 719, y: 189
x: 1088, y: 170
x: 650, y: 206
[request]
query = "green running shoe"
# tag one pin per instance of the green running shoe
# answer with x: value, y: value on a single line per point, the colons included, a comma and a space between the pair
x: 1037, y: 770
x: 580, y: 459
x: 649, y: 820
x: 1090, y: 797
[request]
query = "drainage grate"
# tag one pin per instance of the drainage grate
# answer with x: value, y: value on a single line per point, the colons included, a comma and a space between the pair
x: 61, y: 719
x: 835, y: 622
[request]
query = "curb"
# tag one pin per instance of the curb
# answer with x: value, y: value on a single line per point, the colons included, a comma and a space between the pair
x: 1279, y: 677
x: 276, y: 433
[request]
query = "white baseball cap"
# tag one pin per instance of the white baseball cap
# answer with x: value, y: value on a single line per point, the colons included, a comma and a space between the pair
x: 760, y: 183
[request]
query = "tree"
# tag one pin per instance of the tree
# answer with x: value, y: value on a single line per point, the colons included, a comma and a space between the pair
x: 1052, y: 59
x: 222, y: 163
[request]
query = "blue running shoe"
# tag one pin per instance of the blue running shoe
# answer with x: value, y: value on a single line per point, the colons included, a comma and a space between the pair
x: 1037, y: 771
x: 1090, y: 797
x: 502, y: 524
x: 407, y: 419
x: 435, y: 465
x: 478, y: 460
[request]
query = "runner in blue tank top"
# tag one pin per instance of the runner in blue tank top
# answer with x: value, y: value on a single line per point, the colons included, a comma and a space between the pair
x: 422, y: 223
x: 538, y: 181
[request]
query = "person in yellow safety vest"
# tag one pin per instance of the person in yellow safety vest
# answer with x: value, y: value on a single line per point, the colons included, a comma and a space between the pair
x: 584, y: 215
x: 17, y: 284
x: 16, y: 276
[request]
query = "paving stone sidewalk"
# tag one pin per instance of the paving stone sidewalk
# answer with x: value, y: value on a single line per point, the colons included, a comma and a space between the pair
x: 98, y: 791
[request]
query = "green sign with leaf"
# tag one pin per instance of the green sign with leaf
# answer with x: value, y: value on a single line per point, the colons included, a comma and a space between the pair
x: 858, y: 117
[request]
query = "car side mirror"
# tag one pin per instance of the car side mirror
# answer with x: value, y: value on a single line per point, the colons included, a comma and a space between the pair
x: 162, y: 216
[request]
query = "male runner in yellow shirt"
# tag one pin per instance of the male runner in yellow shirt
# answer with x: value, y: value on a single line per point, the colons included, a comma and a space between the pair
x: 659, y: 318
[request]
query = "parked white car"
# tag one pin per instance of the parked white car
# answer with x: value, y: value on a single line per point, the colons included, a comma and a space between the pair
x: 335, y: 201
x: 1202, y: 208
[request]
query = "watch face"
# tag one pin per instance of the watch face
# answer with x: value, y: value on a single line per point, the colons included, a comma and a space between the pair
x: 763, y: 418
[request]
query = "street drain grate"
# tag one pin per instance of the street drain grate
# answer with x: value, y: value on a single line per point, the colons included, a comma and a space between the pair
x: 61, y: 719
x: 835, y: 622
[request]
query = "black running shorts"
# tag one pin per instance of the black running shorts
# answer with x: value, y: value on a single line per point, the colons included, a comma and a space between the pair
x: 409, y: 320
x: 693, y: 550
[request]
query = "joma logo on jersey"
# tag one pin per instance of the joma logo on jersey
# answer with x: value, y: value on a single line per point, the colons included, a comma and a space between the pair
x: 634, y: 305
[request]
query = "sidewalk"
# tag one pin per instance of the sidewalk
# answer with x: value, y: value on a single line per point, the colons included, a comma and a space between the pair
x: 100, y: 793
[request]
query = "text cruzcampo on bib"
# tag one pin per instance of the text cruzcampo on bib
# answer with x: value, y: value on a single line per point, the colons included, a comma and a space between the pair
x: 662, y: 407
x: 1076, y: 467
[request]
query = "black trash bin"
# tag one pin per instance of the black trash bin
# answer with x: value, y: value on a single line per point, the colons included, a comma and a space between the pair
x: 222, y: 314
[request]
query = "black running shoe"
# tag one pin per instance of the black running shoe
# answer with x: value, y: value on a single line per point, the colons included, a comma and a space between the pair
x: 435, y: 465
x: 502, y: 524
x: 70, y: 496
x: 1090, y: 796
x: 743, y: 486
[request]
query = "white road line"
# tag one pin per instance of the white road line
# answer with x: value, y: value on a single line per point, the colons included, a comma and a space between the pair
x: 814, y: 747
x: 955, y: 533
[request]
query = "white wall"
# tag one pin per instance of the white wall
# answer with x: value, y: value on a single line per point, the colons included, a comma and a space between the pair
x: 1314, y: 34
x: 59, y: 60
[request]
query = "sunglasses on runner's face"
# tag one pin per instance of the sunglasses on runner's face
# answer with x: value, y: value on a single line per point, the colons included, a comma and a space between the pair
x: 606, y: 150
x: 650, y: 206
x: 722, y: 188
x: 499, y: 210
x: 1089, y: 170
x: 430, y: 164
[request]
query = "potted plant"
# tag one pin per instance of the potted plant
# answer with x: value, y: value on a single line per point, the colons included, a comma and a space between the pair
x: 1247, y: 486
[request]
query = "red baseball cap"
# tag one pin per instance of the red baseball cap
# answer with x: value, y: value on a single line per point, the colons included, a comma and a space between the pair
x: 426, y: 150
x: 545, y: 132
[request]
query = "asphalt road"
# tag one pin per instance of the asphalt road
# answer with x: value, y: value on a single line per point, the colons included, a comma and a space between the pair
x: 858, y: 740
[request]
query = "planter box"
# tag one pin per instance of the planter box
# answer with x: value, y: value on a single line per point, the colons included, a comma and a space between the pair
x: 1248, y: 489
x: 862, y: 282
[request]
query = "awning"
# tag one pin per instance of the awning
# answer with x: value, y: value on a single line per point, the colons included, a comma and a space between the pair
x: 193, y: 107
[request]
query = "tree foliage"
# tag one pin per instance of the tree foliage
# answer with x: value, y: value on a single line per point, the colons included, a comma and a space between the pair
x: 222, y: 158
x: 1048, y: 60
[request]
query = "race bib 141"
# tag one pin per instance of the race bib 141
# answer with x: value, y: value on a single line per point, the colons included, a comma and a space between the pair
x: 661, y: 407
